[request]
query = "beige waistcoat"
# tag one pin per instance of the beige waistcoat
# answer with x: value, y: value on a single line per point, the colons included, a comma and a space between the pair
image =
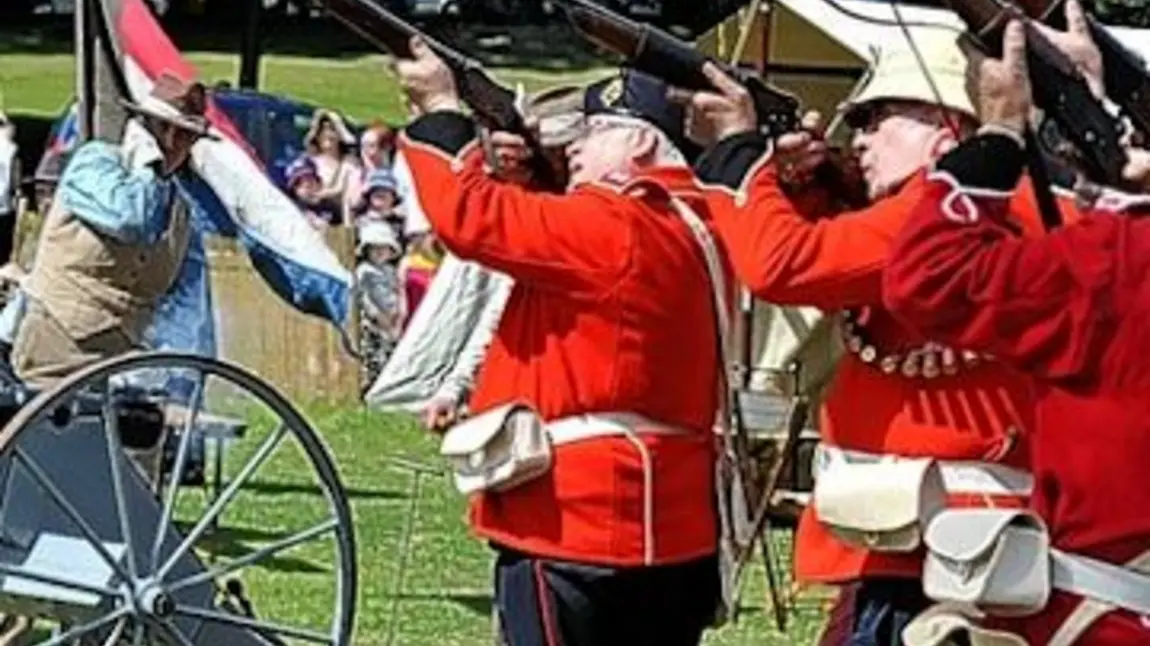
x: 91, y: 283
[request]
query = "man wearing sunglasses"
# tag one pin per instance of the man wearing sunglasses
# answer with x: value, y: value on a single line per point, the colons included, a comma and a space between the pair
x: 895, y: 394
x: 609, y: 335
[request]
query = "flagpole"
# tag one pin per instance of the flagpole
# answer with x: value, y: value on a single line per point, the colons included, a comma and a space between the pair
x: 85, y: 69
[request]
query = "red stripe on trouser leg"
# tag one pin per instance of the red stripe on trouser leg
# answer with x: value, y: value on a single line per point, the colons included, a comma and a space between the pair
x: 546, y: 613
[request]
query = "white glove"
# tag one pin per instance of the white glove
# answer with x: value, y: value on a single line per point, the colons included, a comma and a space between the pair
x: 139, y: 148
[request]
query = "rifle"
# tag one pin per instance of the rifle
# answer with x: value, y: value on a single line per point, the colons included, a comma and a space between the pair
x: 1123, y: 71
x: 664, y: 56
x: 493, y: 105
x: 1059, y: 89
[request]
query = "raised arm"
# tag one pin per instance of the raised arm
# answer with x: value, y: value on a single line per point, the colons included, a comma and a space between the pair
x: 119, y: 195
x: 785, y: 253
x: 577, y: 244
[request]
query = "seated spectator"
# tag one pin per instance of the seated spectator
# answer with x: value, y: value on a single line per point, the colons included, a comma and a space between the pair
x: 328, y: 143
x: 379, y: 200
x: 417, y: 269
x: 381, y: 308
x: 304, y: 185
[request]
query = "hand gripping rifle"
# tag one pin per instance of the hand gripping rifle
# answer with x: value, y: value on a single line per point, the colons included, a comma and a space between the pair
x: 493, y: 105
x: 662, y: 55
x: 1125, y: 75
x: 1059, y: 89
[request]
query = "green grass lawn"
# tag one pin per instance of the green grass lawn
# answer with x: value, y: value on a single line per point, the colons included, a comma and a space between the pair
x: 444, y: 599
x: 363, y: 87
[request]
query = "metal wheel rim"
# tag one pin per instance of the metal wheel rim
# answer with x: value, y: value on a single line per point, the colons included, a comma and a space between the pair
x: 316, y: 450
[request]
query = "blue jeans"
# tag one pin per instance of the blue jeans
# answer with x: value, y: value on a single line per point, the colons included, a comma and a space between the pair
x: 883, y: 607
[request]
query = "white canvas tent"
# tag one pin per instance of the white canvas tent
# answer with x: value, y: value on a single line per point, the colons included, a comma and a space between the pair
x: 859, y: 35
x: 818, y: 48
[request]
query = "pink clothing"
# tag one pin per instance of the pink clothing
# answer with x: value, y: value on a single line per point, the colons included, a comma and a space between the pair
x: 415, y: 278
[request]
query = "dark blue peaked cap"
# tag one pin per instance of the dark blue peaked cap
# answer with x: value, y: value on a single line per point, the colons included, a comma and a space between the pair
x: 635, y: 94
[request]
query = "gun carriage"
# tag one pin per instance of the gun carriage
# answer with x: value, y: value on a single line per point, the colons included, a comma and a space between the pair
x: 98, y: 545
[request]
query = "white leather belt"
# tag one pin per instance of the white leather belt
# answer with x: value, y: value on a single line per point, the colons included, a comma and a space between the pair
x: 573, y: 428
x: 592, y: 425
x: 1102, y: 581
x: 1092, y: 609
x: 958, y: 476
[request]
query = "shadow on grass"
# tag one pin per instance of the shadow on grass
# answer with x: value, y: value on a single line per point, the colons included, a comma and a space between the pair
x: 477, y: 603
x: 272, y: 488
x: 237, y: 542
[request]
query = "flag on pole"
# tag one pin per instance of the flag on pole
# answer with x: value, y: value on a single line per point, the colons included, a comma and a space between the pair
x: 121, y: 49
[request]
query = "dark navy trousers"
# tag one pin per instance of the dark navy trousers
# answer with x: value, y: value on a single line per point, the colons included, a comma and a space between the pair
x: 882, y: 608
x: 541, y: 602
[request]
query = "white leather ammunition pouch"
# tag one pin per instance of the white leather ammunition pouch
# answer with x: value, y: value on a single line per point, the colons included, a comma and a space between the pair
x: 498, y: 449
x: 884, y: 502
x: 995, y: 559
x: 510, y: 444
x: 882, y: 505
x: 1001, y: 562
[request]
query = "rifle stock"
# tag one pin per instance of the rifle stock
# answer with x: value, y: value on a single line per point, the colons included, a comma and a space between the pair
x: 1059, y: 89
x: 1124, y: 72
x: 493, y: 105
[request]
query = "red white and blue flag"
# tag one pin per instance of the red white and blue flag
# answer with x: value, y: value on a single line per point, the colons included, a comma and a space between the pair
x: 124, y: 50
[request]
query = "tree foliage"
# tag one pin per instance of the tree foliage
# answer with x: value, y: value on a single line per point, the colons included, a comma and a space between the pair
x: 1129, y: 13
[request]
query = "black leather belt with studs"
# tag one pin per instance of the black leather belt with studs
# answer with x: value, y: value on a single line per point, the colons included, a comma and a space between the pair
x: 928, y: 361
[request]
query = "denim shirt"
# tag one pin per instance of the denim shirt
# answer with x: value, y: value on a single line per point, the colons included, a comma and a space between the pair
x: 129, y: 205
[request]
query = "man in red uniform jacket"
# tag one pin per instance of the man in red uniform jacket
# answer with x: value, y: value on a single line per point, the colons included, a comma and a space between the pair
x: 1072, y: 309
x: 895, y: 394
x: 609, y: 330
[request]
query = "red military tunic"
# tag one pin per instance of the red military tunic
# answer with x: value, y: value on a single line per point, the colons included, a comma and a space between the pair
x: 611, y: 311
x: 786, y: 257
x: 1073, y: 310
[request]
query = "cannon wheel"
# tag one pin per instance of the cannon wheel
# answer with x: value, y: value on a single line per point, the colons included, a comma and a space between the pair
x: 143, y: 608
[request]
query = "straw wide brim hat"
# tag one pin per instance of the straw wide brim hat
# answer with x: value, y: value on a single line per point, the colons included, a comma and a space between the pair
x: 177, y: 102
x: 940, y: 78
x: 342, y: 131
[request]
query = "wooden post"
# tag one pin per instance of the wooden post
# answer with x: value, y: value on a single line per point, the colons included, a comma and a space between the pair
x: 251, y: 45
x: 302, y: 356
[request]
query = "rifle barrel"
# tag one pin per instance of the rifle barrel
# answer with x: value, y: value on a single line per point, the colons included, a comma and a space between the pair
x: 364, y: 17
x: 613, y: 32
